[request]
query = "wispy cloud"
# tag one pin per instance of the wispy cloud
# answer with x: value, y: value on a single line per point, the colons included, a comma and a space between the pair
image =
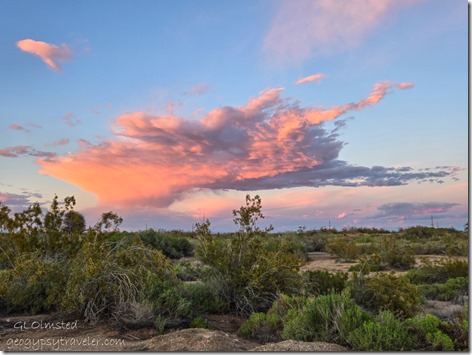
x: 198, y: 89
x: 303, y: 28
x: 60, y: 142
x: 270, y: 142
x: 70, y: 120
x: 17, y: 127
x: 405, y: 85
x: 49, y: 53
x: 24, y: 150
x: 403, y: 210
x: 310, y: 78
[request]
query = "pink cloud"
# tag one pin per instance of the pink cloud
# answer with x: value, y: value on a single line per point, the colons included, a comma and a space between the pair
x: 70, y: 120
x: 49, y: 53
x: 314, y: 77
x: 342, y: 215
x: 198, y: 89
x: 17, y: 127
x: 403, y: 86
x: 25, y: 150
x: 155, y: 160
x: 303, y: 28
x: 60, y: 142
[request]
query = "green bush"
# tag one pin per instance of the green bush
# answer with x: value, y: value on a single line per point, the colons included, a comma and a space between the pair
x: 103, y: 280
x: 168, y: 299
x: 368, y: 263
x: 390, y: 292
x: 199, y: 322
x: 204, y: 298
x: 396, y: 255
x: 34, y: 285
x: 247, y: 275
x: 329, y: 318
x: 344, y: 248
x: 458, y: 329
x: 267, y: 327
x: 428, y: 335
x: 319, y: 282
x: 263, y: 327
x: 382, y: 334
x: 438, y: 272
x: 452, y: 290
x: 171, y: 245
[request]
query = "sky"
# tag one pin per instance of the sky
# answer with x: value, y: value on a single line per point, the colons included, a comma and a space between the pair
x: 349, y: 113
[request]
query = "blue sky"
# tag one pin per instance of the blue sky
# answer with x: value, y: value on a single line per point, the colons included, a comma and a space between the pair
x: 171, y: 111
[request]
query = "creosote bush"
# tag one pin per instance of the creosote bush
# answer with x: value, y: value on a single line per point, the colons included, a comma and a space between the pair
x: 344, y: 248
x: 380, y: 292
x: 319, y: 282
x: 247, y: 275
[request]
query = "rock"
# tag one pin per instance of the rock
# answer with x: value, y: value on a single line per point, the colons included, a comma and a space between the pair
x: 293, y: 345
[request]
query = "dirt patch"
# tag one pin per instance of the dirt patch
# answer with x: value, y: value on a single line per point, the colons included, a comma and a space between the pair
x: 198, y: 340
x: 292, y: 345
x: 327, y: 262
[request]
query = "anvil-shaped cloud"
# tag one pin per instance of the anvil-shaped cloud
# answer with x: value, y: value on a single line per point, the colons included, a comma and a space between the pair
x: 270, y: 142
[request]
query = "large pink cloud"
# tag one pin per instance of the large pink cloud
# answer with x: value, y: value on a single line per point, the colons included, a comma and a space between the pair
x: 270, y: 142
x: 49, y: 53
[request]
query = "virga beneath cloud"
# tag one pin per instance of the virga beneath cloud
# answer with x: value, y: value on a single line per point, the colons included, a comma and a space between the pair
x: 270, y: 142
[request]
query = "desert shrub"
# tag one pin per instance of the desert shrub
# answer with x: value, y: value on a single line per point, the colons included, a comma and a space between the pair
x: 247, y: 275
x: 104, y: 280
x: 199, y: 322
x: 319, y: 282
x: 420, y: 232
x: 344, y: 248
x: 368, y: 263
x: 267, y: 327
x: 263, y: 327
x: 395, y: 255
x: 385, y: 333
x: 34, y: 285
x: 439, y: 271
x: 290, y: 242
x: 167, y: 298
x: 458, y: 329
x: 328, y: 318
x: 136, y: 314
x: 315, y: 242
x: 390, y: 292
x: 187, y: 270
x: 428, y: 336
x: 204, y: 298
x: 171, y: 245
x: 452, y: 290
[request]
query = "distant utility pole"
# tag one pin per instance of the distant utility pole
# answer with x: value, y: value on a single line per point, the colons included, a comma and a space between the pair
x: 432, y: 222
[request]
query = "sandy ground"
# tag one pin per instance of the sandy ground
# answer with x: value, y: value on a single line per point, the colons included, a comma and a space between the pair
x: 324, y: 261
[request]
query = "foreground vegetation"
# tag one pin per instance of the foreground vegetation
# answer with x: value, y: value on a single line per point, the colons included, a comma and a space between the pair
x: 50, y: 262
